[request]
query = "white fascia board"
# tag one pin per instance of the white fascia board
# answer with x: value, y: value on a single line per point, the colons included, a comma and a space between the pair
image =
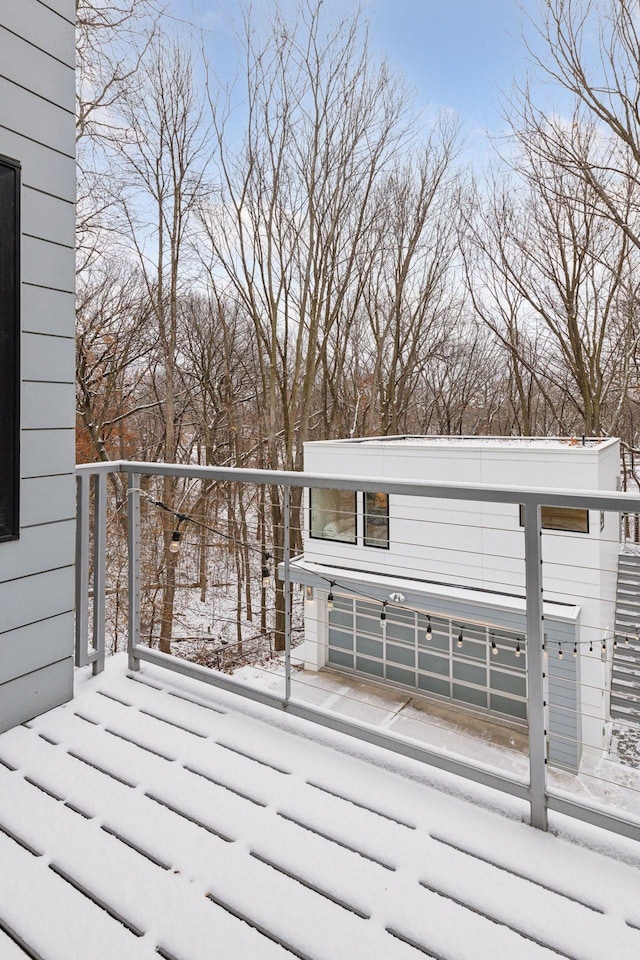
x: 379, y: 587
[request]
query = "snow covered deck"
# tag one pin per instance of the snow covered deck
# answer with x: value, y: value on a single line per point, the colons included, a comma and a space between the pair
x: 153, y: 816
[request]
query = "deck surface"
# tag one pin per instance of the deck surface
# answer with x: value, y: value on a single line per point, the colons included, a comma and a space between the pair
x: 154, y: 817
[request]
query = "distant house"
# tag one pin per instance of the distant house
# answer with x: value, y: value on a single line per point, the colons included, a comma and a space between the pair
x: 37, y: 355
x: 458, y: 632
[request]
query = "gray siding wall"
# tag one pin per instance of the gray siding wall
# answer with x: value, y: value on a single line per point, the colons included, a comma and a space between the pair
x: 37, y: 89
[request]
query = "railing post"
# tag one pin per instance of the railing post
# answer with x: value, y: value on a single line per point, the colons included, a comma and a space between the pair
x: 535, y: 666
x: 82, y: 568
x: 287, y: 595
x: 99, y: 569
x: 133, y: 539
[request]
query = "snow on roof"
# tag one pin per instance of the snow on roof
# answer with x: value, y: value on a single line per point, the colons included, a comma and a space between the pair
x: 548, y: 443
x: 154, y: 817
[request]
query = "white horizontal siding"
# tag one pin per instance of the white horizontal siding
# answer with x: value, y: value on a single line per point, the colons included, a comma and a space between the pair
x: 42, y: 26
x: 47, y: 406
x: 39, y: 549
x: 47, y: 264
x: 47, y: 358
x: 21, y: 649
x: 39, y: 120
x: 37, y: 129
x: 43, y: 168
x: 47, y: 311
x: 48, y: 500
x: 46, y: 452
x: 36, y: 598
x: 35, y: 70
x: 48, y: 218
x: 37, y: 692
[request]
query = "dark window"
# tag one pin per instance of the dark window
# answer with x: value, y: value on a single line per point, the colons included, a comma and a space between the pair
x: 376, y: 520
x: 569, y: 519
x: 333, y: 514
x: 9, y: 346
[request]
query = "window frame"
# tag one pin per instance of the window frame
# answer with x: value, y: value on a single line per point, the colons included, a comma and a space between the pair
x: 360, y: 517
x: 368, y: 541
x: 558, y: 529
x: 10, y: 324
x: 316, y: 536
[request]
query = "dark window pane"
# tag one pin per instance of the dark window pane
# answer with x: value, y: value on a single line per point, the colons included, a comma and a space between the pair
x: 370, y: 666
x: 434, y: 664
x: 401, y: 654
x: 434, y: 685
x: 468, y: 695
x: 509, y: 683
x: 372, y: 648
x: 397, y: 675
x: 376, y: 520
x: 569, y: 519
x: 470, y: 672
x: 333, y: 514
x: 9, y: 341
x: 514, y: 708
x: 340, y: 658
x: 339, y: 639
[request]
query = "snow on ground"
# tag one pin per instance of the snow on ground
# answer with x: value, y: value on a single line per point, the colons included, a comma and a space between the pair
x: 155, y: 816
x: 612, y: 778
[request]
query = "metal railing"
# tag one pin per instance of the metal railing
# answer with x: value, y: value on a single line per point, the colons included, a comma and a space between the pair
x: 91, y: 588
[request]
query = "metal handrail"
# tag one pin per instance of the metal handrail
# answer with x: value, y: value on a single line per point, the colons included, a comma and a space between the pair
x: 536, y: 792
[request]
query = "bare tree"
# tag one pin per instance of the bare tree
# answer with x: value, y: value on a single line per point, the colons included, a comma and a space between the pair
x: 163, y: 159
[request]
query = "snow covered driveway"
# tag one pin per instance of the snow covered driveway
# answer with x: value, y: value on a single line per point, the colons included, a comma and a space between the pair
x: 155, y: 817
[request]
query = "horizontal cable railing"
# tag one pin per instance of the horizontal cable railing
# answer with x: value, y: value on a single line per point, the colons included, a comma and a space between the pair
x: 205, y: 570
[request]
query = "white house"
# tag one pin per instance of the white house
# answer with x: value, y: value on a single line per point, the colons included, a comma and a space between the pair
x: 458, y: 633
x: 37, y: 355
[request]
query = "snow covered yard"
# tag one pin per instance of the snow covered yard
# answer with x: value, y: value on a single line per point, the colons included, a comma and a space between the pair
x: 154, y: 816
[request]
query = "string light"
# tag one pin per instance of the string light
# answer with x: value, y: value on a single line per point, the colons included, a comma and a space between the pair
x: 174, y: 546
x: 575, y: 649
x: 604, y: 644
x: 590, y: 646
x: 266, y: 573
x: 460, y: 638
x: 330, y: 596
x: 494, y: 649
x: 615, y: 643
x: 518, y: 648
x: 383, y: 612
x: 429, y: 628
x: 626, y: 641
x: 560, y: 653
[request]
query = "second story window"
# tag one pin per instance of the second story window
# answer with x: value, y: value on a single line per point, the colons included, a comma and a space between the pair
x: 333, y: 514
x: 349, y: 517
x: 569, y: 519
x: 376, y: 520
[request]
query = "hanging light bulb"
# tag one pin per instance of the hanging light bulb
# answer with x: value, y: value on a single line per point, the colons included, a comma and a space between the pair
x: 560, y: 653
x: 575, y: 649
x: 518, y: 651
x: 615, y: 643
x: 494, y: 649
x: 626, y: 641
x: 266, y: 573
x: 330, y: 597
x: 429, y: 628
x: 383, y: 612
x: 604, y: 644
x: 460, y: 638
x: 590, y: 646
x: 174, y: 546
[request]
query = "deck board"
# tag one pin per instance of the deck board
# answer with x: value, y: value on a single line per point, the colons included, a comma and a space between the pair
x: 153, y: 818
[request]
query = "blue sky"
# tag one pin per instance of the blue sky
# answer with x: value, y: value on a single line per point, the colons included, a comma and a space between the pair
x: 458, y: 54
